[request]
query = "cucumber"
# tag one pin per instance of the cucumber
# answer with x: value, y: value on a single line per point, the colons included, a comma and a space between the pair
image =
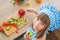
x: 7, y: 28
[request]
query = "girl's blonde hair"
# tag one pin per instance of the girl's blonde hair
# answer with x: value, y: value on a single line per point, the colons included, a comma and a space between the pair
x: 45, y: 20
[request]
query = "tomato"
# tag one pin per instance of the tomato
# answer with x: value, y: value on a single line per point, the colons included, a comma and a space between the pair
x: 5, y: 23
x: 21, y: 12
x: 15, y: 25
x: 1, y: 29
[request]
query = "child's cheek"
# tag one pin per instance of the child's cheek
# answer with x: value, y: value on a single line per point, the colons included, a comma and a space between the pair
x: 35, y: 25
x: 40, y: 27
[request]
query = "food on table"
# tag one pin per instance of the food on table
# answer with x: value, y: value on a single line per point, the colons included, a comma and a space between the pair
x: 21, y: 21
x: 24, y: 20
x: 28, y: 3
x: 38, y: 1
x: 5, y: 23
x: 1, y: 29
x: 7, y: 28
x: 13, y: 20
x: 17, y: 21
x: 14, y: 23
x: 15, y: 26
x: 21, y: 12
x: 21, y: 1
x: 30, y: 33
x: 17, y: 0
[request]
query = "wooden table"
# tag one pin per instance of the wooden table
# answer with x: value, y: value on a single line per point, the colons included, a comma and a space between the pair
x: 7, y: 10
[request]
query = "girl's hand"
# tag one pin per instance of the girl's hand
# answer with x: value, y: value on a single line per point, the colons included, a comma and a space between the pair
x: 27, y: 37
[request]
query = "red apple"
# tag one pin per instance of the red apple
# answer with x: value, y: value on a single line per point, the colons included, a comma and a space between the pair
x: 21, y: 12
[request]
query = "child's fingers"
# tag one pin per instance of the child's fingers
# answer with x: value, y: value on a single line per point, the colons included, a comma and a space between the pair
x: 29, y: 37
x: 26, y: 36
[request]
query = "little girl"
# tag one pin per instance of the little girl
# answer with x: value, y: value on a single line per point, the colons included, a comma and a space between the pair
x: 40, y: 24
x: 45, y: 20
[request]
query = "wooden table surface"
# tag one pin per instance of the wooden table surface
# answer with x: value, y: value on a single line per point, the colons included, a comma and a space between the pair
x: 7, y: 10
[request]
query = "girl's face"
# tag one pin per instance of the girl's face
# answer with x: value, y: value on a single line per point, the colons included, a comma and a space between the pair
x: 38, y: 25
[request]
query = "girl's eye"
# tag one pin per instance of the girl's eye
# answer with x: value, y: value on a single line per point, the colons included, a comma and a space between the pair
x: 42, y: 23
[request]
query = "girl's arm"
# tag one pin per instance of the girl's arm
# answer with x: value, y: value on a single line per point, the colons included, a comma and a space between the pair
x: 32, y: 11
